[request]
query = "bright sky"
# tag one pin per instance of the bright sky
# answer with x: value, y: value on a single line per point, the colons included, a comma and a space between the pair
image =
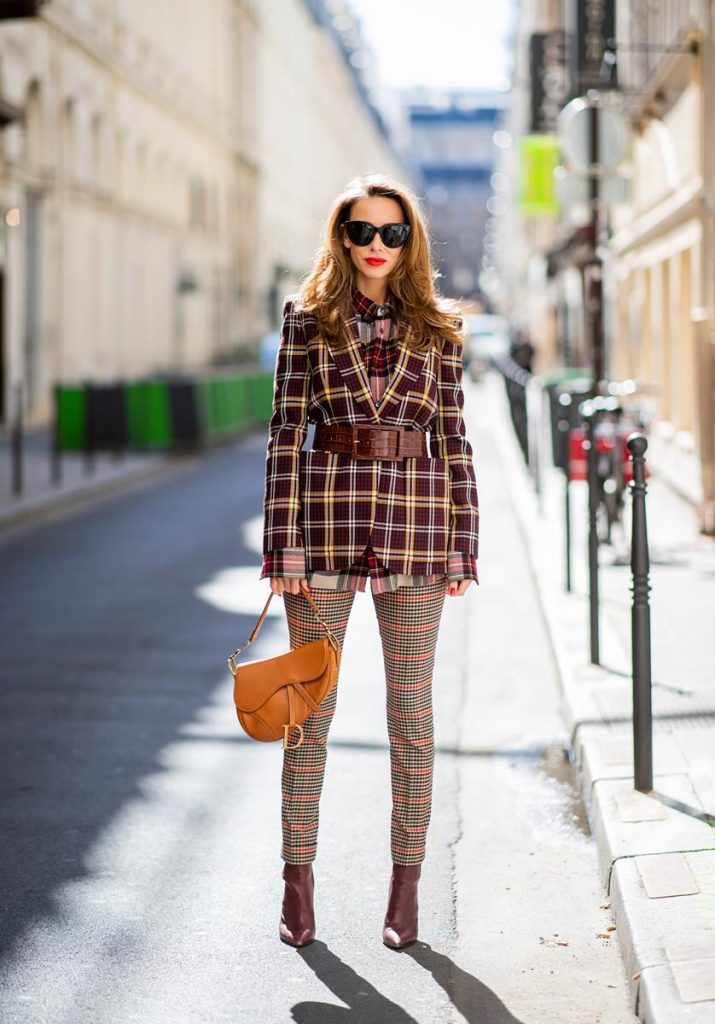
x: 439, y: 43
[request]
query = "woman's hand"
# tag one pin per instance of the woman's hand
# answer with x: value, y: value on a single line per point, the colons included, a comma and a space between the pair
x: 458, y: 587
x: 288, y: 583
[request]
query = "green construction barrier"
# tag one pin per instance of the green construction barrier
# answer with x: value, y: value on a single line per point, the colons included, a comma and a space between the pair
x: 232, y: 402
x: 71, y: 417
x: 261, y: 386
x: 149, y: 414
x: 226, y: 404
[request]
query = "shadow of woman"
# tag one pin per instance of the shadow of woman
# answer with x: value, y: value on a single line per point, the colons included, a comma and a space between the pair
x: 477, y: 1003
x: 365, y: 1005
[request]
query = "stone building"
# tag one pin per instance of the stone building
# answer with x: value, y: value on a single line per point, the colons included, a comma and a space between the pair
x: 164, y: 170
x: 658, y: 249
x: 662, y: 241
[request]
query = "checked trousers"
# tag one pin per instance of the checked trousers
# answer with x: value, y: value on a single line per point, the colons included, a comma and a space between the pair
x: 408, y: 620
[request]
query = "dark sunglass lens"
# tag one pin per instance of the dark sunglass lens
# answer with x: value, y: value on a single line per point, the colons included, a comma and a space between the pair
x: 394, y: 235
x: 360, y: 232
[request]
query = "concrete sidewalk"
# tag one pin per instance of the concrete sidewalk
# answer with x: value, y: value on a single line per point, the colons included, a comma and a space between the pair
x: 657, y: 855
x: 80, y: 481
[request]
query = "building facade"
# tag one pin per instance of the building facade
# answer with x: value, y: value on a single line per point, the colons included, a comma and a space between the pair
x: 662, y: 240
x: 658, y: 253
x: 164, y: 170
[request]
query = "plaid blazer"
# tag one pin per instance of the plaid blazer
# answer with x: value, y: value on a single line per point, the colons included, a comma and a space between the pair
x: 412, y: 511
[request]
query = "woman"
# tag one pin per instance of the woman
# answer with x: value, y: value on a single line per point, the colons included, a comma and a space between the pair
x: 373, y: 357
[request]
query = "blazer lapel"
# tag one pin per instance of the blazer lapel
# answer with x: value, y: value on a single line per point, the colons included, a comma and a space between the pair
x: 405, y: 375
x: 349, y: 361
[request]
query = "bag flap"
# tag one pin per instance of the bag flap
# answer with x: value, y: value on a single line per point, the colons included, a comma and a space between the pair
x: 256, y: 681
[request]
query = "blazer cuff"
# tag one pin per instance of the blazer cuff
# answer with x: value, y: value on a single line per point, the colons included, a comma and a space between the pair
x: 461, y: 566
x: 284, y: 563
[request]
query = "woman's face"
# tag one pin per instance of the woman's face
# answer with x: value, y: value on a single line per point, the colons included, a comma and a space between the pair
x: 374, y: 261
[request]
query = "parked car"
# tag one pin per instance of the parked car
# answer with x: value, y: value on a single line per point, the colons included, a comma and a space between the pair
x: 486, y: 338
x: 268, y: 349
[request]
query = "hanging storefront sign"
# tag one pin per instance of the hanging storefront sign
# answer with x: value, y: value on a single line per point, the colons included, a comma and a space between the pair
x: 549, y: 78
x: 594, y: 25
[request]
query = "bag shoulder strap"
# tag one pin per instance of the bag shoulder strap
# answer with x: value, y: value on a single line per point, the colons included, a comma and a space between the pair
x: 256, y: 629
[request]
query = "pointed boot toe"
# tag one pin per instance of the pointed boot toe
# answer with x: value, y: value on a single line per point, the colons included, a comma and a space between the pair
x: 400, y: 926
x: 297, y: 924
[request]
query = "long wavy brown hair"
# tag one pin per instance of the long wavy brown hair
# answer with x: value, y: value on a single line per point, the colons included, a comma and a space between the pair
x: 423, y: 317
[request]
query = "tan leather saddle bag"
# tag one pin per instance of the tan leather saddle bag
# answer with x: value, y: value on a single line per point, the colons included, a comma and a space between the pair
x: 275, y: 696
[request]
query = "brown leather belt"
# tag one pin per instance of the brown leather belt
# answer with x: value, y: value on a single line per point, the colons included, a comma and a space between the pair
x: 366, y: 441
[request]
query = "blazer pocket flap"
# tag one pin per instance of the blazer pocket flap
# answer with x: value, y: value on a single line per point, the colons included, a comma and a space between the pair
x: 257, y: 681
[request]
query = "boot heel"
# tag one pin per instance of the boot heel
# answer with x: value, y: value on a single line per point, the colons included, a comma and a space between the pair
x: 297, y: 925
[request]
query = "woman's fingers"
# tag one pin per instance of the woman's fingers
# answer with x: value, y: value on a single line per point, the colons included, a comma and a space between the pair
x: 458, y: 587
x: 281, y: 584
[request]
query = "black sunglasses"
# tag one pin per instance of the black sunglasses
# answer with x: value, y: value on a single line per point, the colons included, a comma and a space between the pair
x: 360, y: 232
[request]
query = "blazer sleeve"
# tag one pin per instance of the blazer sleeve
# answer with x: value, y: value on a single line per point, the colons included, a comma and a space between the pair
x: 448, y: 440
x: 284, y: 563
x: 287, y: 430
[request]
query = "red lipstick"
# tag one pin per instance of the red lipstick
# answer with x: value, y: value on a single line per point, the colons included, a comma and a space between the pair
x: 375, y: 261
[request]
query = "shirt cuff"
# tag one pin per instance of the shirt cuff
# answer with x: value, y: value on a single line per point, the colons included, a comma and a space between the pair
x: 284, y: 563
x: 461, y: 566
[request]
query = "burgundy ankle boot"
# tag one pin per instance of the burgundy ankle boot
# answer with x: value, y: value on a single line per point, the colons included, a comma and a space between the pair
x: 297, y: 925
x: 400, y: 927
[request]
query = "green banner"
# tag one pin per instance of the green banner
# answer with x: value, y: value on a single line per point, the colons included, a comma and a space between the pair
x: 539, y: 160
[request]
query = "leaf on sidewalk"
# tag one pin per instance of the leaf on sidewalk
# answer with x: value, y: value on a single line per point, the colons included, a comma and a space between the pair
x: 552, y: 942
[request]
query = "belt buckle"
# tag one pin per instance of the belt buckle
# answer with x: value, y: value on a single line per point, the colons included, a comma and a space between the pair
x: 354, y: 448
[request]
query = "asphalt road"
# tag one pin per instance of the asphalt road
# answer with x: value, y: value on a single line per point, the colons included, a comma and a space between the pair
x: 140, y: 829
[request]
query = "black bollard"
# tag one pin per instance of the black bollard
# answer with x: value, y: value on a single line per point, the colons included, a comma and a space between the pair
x: 640, y: 622
x: 564, y: 428
x: 589, y: 412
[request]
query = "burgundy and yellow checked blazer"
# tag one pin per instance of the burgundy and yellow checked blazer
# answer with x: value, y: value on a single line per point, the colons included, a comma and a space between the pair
x: 413, y: 511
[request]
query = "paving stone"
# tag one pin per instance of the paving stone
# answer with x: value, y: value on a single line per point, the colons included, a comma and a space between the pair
x: 666, y: 874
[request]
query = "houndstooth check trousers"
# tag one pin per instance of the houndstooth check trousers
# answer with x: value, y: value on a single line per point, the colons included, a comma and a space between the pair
x: 408, y: 620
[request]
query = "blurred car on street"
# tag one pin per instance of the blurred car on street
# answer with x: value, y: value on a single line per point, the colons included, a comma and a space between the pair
x: 486, y: 338
x: 268, y: 349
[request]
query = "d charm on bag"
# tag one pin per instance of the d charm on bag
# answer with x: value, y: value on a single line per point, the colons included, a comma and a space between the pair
x: 274, y: 696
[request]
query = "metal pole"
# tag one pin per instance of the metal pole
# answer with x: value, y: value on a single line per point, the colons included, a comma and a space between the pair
x: 588, y: 411
x: 55, y: 446
x: 640, y: 622
x: 594, y: 298
x: 16, y: 440
x: 564, y: 427
x: 90, y: 436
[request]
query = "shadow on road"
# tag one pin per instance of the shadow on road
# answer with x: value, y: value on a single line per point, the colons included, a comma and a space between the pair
x: 365, y: 1003
x: 477, y: 1003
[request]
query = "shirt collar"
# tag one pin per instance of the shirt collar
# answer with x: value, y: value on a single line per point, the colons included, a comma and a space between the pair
x: 369, y: 310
